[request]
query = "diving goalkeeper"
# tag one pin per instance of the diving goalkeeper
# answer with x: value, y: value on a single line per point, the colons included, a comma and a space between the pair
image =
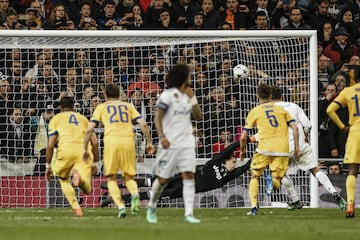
x: 215, y: 173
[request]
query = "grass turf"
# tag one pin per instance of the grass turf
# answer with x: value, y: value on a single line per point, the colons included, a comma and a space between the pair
x: 220, y: 224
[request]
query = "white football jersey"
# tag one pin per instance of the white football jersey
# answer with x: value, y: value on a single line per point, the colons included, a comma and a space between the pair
x: 301, y: 119
x: 176, y: 122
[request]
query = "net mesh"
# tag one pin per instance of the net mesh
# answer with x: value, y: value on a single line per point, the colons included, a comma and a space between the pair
x: 42, y: 70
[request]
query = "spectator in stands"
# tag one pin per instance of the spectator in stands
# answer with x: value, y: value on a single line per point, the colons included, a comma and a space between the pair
x: 336, y: 7
x: 296, y: 20
x: 80, y: 60
x: 324, y: 72
x: 107, y: 78
x: 129, y: 21
x: 159, y: 70
x: 87, y: 77
x: 109, y: 20
x: 345, y: 69
x: 326, y: 34
x: 138, y: 15
x: 86, y: 21
x: 211, y: 17
x: 39, y: 133
x: 144, y: 82
x: 198, y: 22
x: 152, y: 15
x: 225, y: 26
x: 346, y: 20
x: 5, y: 10
x: 18, y: 137
x: 165, y: 22
x: 69, y: 86
x: 199, y: 142
x: 43, y: 9
x: 59, y: 19
x: 316, y: 20
x: 201, y: 86
x: 265, y: 6
x: 224, y: 141
x: 5, y: 102
x: 334, y: 169
x: 261, y: 21
x: 218, y: 113
x: 123, y: 71
x: 341, y: 49
x: 235, y: 15
x: 11, y: 22
x: 85, y: 100
x: 184, y: 11
x: 124, y: 6
x: 329, y: 96
x: 28, y: 20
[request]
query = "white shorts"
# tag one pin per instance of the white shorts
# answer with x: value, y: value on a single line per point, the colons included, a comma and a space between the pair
x: 306, y: 161
x: 174, y: 160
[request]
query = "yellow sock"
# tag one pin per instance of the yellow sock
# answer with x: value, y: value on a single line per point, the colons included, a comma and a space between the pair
x: 132, y: 187
x: 115, y: 193
x: 69, y: 192
x: 253, y: 192
x: 350, y: 188
x: 276, y: 183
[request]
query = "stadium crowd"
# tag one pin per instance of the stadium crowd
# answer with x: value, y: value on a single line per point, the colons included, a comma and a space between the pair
x: 33, y: 80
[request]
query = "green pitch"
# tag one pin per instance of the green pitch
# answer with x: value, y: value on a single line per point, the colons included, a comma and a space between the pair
x: 220, y: 224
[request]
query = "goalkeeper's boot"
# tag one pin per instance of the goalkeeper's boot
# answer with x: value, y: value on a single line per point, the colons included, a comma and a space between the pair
x: 295, y: 205
x: 76, y: 178
x: 151, y: 215
x: 78, y: 212
x: 269, y: 185
x: 135, y: 200
x: 340, y: 201
x: 191, y: 219
x: 253, y: 212
x: 350, y: 210
x: 122, y: 212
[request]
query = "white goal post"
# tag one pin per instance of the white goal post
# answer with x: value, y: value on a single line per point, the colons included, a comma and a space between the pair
x: 288, y: 58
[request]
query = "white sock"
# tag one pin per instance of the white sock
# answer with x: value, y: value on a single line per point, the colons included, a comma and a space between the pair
x: 325, y: 181
x: 188, y: 195
x: 290, y: 189
x: 156, y: 189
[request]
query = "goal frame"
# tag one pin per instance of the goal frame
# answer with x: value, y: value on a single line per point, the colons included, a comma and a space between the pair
x: 311, y: 34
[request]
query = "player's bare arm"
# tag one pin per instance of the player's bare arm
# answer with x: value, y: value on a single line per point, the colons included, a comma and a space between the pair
x: 196, y: 110
x: 150, y: 149
x: 296, y: 138
x: 158, y: 124
x: 243, y: 141
x: 89, y: 132
x: 49, y: 154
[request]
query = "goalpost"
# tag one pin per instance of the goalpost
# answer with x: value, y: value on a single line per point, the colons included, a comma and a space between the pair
x: 53, y: 63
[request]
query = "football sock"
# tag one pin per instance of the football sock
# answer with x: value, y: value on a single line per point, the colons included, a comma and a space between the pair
x: 253, y: 191
x: 69, y: 193
x: 156, y: 189
x: 115, y: 193
x: 350, y: 188
x: 132, y: 187
x: 188, y: 195
x: 325, y: 181
x: 290, y: 189
x: 85, y: 183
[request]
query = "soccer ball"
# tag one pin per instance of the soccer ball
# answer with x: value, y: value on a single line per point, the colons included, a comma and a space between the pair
x: 240, y: 71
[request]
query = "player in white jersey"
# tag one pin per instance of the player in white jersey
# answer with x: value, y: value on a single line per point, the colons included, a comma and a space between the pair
x: 174, y: 109
x: 306, y: 161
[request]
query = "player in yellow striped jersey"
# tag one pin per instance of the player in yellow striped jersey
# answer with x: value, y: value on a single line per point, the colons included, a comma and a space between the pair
x: 349, y: 97
x: 272, y: 122
x: 67, y: 129
x: 118, y: 118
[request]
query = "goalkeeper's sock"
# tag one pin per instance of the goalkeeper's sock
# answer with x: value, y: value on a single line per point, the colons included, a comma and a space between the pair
x: 350, y: 188
x: 69, y: 193
x: 115, y: 193
x: 189, y: 195
x: 132, y: 187
x: 156, y: 189
x: 290, y: 189
x: 325, y: 181
x: 253, y: 192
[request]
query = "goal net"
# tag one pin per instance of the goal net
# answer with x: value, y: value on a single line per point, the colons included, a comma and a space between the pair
x: 39, y: 67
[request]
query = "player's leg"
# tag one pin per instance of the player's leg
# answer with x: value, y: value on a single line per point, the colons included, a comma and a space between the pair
x: 70, y: 195
x: 82, y: 176
x: 288, y: 184
x: 187, y: 166
x: 115, y: 193
x: 351, y: 188
x: 157, y: 188
x: 325, y: 181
